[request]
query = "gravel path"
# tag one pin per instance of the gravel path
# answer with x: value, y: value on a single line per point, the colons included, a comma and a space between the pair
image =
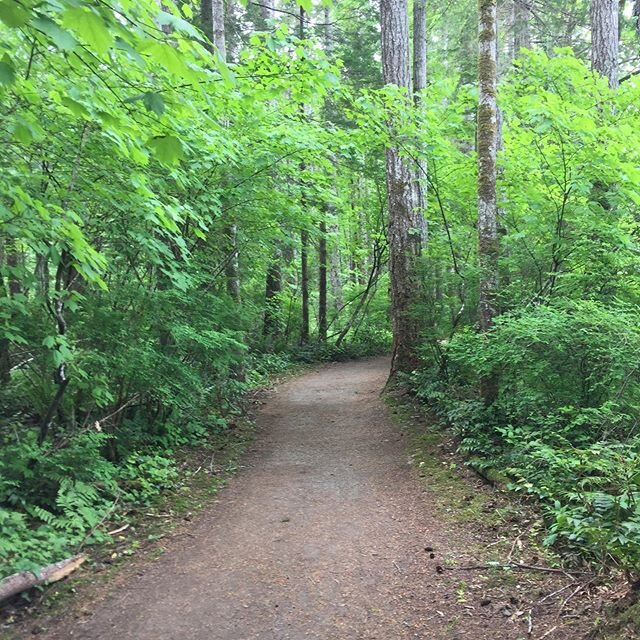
x: 326, y: 534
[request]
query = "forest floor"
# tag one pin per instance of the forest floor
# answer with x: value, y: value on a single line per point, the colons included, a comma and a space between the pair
x: 346, y: 522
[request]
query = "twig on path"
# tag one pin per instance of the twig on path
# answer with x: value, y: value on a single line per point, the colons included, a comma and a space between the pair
x: 530, y: 622
x: 555, y: 593
x: 548, y: 633
x: 118, y: 530
x: 564, y: 604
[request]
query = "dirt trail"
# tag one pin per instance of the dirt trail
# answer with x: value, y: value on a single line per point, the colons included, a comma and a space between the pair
x: 322, y: 537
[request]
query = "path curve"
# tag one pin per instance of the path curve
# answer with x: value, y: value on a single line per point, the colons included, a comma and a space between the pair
x: 321, y: 536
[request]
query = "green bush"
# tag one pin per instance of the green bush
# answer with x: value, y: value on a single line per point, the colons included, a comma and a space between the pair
x: 563, y: 426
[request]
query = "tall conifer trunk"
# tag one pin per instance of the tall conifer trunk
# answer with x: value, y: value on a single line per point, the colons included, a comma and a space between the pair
x: 232, y: 262
x: 604, y: 39
x: 419, y: 85
x: 521, y: 25
x: 404, y: 224
x: 487, y: 141
x: 304, y: 234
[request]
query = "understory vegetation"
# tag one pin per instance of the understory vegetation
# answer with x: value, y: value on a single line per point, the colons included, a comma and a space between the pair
x: 182, y: 217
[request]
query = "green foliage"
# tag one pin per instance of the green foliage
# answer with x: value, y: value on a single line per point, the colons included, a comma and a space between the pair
x: 130, y: 151
x: 563, y: 426
x: 142, y: 176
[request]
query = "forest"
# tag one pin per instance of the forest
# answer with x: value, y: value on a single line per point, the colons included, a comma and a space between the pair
x: 196, y: 196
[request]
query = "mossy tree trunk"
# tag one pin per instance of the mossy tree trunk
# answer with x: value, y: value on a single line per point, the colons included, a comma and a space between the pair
x: 487, y: 142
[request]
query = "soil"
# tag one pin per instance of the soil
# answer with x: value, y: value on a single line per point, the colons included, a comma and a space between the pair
x: 329, y: 532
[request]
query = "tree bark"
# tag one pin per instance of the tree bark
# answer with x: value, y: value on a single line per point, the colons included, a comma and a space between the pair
x: 419, y: 47
x: 232, y: 265
x: 206, y: 21
x: 304, y: 234
x: 12, y: 258
x: 487, y: 171
x: 322, y: 282
x: 521, y: 25
x: 267, y: 10
x: 217, y: 28
x: 19, y: 582
x: 604, y: 39
x: 5, y: 361
x: 403, y: 226
x: 232, y: 262
x: 488, y: 136
x: 571, y: 20
x: 273, y: 288
x: 334, y: 269
x: 419, y: 85
x: 304, y: 275
x: 636, y: 15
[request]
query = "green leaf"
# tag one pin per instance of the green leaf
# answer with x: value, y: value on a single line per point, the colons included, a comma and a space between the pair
x: 154, y: 102
x: 77, y: 108
x: 90, y: 27
x: 23, y: 133
x: 13, y: 14
x: 123, y: 45
x: 60, y: 37
x: 167, y: 56
x: 178, y: 24
x: 7, y: 71
x: 167, y: 149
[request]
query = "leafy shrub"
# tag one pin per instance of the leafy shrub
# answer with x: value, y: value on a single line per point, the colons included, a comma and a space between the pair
x: 145, y: 476
x: 563, y: 425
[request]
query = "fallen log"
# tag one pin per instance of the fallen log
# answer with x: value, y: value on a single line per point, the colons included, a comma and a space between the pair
x: 19, y: 582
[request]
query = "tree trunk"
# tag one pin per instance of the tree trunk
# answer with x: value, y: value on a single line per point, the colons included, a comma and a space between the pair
x: 5, y: 361
x: 521, y: 25
x: 604, y: 39
x: 206, y: 21
x: 404, y: 240
x: 419, y: 47
x: 12, y: 259
x: 304, y: 234
x: 322, y: 282
x: 18, y: 582
x: 487, y: 172
x: 217, y: 28
x: 419, y: 85
x: 267, y: 10
x: 304, y: 275
x: 636, y: 15
x: 570, y: 25
x: 334, y: 269
x: 273, y: 288
x: 232, y: 266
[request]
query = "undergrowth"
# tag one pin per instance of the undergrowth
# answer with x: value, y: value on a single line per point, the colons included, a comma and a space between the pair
x: 563, y: 427
x: 57, y: 498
